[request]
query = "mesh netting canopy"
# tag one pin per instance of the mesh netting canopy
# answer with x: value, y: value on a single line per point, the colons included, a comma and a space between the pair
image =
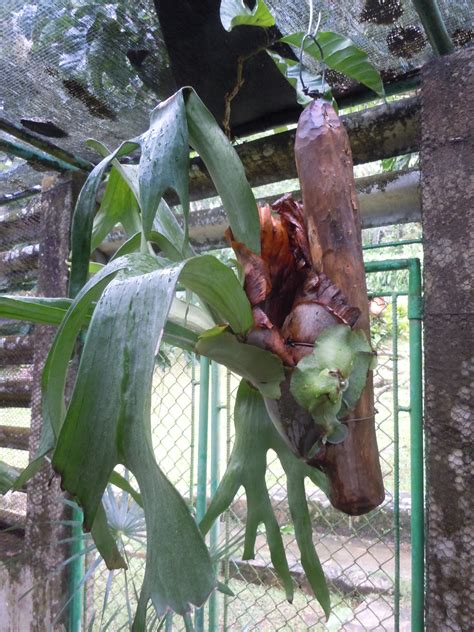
x: 74, y: 69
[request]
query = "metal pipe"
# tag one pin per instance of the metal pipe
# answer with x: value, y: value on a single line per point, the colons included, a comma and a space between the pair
x: 415, y: 314
x: 214, y: 534
x: 192, y: 446
x: 7, y: 198
x: 396, y: 461
x: 201, y: 495
x: 44, y: 145
x: 35, y: 156
x: 393, y: 244
x: 76, y: 573
x: 435, y: 28
x: 228, y: 444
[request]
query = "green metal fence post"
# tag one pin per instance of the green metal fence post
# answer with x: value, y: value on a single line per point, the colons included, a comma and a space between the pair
x: 214, y: 534
x: 76, y: 573
x: 415, y: 314
x: 228, y: 443
x: 201, y: 494
x: 396, y: 460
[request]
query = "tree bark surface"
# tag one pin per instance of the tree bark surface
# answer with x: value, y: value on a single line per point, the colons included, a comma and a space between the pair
x: 325, y: 169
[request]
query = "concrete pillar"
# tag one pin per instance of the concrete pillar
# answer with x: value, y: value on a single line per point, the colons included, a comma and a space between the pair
x: 447, y: 178
x: 33, y: 572
x: 49, y: 587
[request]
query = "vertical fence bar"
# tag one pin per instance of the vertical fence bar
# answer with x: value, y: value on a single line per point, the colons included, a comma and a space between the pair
x: 76, y: 573
x: 201, y: 493
x: 396, y: 462
x: 415, y: 313
x: 214, y: 534
x: 192, y: 446
x: 228, y: 442
x: 415, y: 317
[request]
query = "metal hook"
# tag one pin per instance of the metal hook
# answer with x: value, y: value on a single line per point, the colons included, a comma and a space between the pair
x: 312, y: 36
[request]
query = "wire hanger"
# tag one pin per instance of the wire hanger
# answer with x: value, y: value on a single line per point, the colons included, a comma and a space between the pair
x: 312, y: 36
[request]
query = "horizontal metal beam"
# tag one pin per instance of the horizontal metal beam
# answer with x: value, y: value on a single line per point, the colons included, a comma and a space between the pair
x: 8, y: 198
x: 16, y: 350
x: 14, y: 437
x: 19, y: 259
x: 385, y: 199
x: 381, y: 132
x: 15, y: 391
x: 46, y: 146
x: 35, y: 156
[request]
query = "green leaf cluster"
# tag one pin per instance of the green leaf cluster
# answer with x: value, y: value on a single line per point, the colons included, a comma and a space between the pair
x: 335, y: 51
x: 236, y: 13
x: 255, y: 434
x: 329, y: 381
x: 119, y: 316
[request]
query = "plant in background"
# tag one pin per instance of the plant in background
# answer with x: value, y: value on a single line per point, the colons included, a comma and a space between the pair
x: 294, y: 395
x: 331, y: 50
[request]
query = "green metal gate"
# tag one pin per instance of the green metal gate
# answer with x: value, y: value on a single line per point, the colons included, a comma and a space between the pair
x: 374, y: 563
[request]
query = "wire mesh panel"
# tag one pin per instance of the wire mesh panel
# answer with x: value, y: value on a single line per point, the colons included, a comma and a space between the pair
x: 366, y: 559
x: 19, y: 248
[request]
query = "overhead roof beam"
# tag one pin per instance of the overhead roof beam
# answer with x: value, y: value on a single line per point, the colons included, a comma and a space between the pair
x: 385, y: 199
x: 381, y: 132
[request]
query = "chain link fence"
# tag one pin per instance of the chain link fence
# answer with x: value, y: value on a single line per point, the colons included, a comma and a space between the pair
x: 19, y: 248
x: 367, y: 559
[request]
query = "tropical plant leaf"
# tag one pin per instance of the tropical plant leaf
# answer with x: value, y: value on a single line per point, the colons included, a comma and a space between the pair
x: 54, y: 375
x: 110, y: 340
x: 247, y: 466
x: 168, y: 233
x: 260, y: 367
x: 118, y: 205
x: 296, y: 471
x: 122, y: 483
x: 8, y: 476
x: 225, y: 169
x: 179, y: 570
x: 255, y: 434
x: 83, y: 218
x: 164, y: 161
x: 340, y: 54
x: 219, y: 288
x: 236, y: 13
x: 45, y: 311
x: 178, y: 336
x: 105, y: 541
x: 289, y: 68
x: 336, y: 369
x: 118, y: 359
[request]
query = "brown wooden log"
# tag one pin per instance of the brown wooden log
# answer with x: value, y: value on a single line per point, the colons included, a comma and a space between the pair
x: 325, y: 168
